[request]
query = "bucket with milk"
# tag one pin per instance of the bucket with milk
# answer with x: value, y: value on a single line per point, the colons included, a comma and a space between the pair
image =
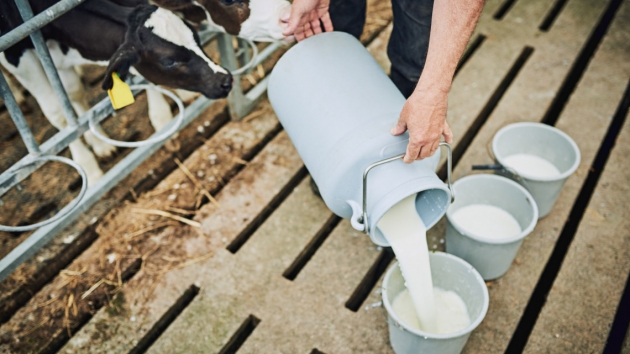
x: 542, y: 155
x: 338, y: 106
x: 488, y: 222
x: 460, y: 294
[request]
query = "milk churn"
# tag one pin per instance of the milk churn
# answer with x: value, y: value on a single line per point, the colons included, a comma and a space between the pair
x: 338, y: 106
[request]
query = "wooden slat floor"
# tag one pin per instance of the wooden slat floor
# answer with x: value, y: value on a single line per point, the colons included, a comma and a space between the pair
x: 267, y: 268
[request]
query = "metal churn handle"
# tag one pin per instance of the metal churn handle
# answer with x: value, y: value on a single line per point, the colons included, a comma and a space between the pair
x: 364, y: 217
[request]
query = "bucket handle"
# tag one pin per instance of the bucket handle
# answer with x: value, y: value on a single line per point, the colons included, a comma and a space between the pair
x: 504, y: 171
x: 364, y: 217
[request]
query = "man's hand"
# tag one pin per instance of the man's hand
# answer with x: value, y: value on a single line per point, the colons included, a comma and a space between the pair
x: 424, y: 115
x: 305, y: 18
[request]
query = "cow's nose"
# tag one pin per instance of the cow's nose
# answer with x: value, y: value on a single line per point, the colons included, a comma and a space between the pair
x: 227, y: 83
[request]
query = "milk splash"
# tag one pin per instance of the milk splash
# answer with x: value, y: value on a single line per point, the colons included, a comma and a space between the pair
x: 451, y: 309
x: 406, y: 233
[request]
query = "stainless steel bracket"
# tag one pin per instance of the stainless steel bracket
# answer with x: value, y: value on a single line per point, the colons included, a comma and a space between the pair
x: 449, y: 164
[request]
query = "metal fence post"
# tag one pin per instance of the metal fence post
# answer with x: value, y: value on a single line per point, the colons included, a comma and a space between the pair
x: 37, y: 22
x: 18, y: 117
x: 238, y: 104
x: 47, y: 63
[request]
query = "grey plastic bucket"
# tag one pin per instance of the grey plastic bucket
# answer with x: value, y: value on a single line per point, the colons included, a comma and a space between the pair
x: 543, y: 141
x: 491, y: 257
x: 448, y: 273
x: 338, y: 106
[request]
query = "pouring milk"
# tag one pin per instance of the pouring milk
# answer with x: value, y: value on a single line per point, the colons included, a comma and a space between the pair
x: 423, y: 307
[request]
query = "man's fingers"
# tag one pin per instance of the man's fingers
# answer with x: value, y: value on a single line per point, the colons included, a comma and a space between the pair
x: 299, y: 34
x: 428, y: 150
x: 448, y: 133
x: 399, y: 128
x: 413, y: 150
x: 308, y: 31
x: 328, y: 26
x: 316, y: 26
x: 294, y: 21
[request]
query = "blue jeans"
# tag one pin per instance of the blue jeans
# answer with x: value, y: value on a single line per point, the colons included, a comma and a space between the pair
x: 409, y: 43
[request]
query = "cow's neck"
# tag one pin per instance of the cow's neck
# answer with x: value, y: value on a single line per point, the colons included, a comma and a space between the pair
x: 94, y: 19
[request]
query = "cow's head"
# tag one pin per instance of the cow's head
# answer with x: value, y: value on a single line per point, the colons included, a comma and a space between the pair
x: 166, y: 51
x: 258, y: 20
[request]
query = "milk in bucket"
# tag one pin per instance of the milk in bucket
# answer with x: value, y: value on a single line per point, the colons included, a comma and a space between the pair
x: 542, y: 155
x: 421, y: 305
x: 487, y: 221
x: 532, y: 165
x: 453, y: 314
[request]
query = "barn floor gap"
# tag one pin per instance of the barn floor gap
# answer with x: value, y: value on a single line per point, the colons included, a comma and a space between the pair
x: 552, y: 15
x: 307, y: 253
x: 472, y: 49
x: 239, y: 167
x: 20, y: 298
x: 370, y: 279
x: 168, y: 165
x: 580, y: 64
x: 550, y: 272
x: 241, y: 335
x: 240, y: 240
x: 620, y: 324
x: 167, y: 318
x: 503, y: 9
x: 487, y: 110
x: 42, y: 213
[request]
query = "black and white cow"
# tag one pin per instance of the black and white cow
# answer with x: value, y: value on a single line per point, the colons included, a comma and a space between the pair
x: 257, y: 20
x: 154, y: 41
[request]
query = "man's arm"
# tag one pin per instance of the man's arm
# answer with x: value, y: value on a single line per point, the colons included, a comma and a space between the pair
x: 424, y: 113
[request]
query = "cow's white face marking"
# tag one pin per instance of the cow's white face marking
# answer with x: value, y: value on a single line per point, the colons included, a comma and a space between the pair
x: 264, y: 22
x: 166, y: 25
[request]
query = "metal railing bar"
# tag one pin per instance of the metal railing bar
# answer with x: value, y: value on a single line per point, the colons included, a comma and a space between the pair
x: 37, y: 22
x: 226, y: 50
x: 206, y: 35
x: 258, y: 90
x: 243, y: 54
x: 266, y: 53
x: 47, y: 63
x: 61, y: 140
x: 38, y: 239
x: 18, y: 117
x: 241, y: 104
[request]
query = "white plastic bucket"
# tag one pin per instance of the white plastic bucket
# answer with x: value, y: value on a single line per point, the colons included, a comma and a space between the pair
x: 491, y: 257
x: 448, y: 273
x: 543, y: 141
x: 338, y: 106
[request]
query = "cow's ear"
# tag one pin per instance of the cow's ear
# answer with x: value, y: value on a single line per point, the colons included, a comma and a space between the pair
x: 120, y: 63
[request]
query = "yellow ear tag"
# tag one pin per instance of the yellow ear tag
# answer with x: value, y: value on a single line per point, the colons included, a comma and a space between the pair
x: 120, y: 94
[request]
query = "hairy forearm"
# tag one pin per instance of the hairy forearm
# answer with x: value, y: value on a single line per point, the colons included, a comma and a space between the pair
x: 452, y: 25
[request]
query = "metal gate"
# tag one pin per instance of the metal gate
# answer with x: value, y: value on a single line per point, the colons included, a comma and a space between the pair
x: 239, y: 103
